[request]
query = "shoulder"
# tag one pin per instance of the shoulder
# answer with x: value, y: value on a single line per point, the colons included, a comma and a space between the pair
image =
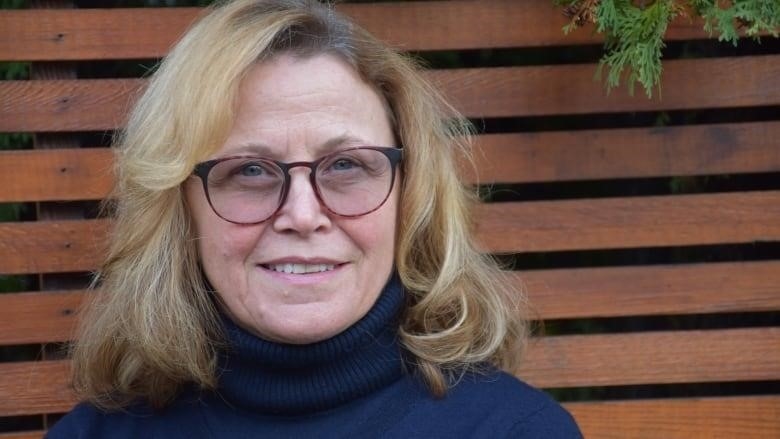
x: 529, y: 410
x: 86, y: 421
x: 496, y: 404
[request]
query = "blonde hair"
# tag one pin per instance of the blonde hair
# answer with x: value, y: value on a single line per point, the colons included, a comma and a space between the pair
x: 152, y: 326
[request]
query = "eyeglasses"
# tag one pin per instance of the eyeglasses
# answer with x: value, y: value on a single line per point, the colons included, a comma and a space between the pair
x: 349, y: 183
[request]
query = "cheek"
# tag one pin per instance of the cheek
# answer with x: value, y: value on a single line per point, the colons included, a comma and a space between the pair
x: 225, y: 245
x: 376, y: 235
x: 224, y: 248
x: 219, y: 242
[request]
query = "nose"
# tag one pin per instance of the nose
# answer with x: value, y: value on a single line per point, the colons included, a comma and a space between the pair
x: 302, y: 211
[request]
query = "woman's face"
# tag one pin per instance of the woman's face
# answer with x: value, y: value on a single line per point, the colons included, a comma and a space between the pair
x: 299, y: 109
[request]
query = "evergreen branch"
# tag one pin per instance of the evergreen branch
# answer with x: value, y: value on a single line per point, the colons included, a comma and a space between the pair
x: 634, y: 30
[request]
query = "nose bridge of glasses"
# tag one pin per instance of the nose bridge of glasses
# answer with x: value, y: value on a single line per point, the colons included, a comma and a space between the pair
x: 310, y: 165
x: 290, y: 167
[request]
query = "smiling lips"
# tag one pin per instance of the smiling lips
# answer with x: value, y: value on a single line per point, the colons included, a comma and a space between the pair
x: 299, y: 265
x: 300, y: 268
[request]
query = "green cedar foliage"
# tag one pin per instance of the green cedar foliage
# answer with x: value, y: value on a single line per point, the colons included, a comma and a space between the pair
x: 634, y: 30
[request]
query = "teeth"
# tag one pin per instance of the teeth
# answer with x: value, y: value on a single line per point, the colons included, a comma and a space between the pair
x: 301, y: 268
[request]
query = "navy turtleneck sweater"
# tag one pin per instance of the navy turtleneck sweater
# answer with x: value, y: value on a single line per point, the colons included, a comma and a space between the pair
x: 352, y: 385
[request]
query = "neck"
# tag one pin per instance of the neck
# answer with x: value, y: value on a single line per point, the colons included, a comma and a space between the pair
x: 269, y: 377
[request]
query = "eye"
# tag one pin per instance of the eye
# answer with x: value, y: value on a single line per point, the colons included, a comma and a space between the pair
x: 343, y: 164
x: 251, y: 170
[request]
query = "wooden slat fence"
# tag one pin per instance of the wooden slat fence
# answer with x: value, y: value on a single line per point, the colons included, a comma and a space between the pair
x: 61, y: 243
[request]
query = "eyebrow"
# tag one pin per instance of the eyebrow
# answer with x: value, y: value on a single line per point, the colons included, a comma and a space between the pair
x: 326, y: 147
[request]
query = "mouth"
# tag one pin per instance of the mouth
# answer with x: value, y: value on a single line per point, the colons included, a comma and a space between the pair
x: 291, y: 268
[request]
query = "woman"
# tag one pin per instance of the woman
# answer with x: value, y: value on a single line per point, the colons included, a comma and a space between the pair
x: 291, y: 255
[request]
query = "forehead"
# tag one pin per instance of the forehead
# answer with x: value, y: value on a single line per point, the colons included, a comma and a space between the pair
x: 294, y: 108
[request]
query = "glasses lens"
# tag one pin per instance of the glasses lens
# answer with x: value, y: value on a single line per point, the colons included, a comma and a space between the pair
x: 354, y: 182
x: 245, y: 190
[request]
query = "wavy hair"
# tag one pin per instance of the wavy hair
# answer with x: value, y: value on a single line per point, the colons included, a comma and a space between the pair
x: 151, y: 326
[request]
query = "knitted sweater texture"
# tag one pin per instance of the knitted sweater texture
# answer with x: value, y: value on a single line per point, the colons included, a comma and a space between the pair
x: 355, y: 384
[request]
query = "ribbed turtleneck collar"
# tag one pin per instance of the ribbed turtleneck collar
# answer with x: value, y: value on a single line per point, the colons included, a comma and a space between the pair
x: 274, y: 378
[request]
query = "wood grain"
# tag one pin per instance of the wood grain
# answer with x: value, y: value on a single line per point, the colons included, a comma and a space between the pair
x: 754, y: 417
x: 39, y: 317
x: 94, y: 34
x: 102, y: 104
x: 33, y: 387
x: 652, y: 290
x: 23, y: 435
x: 52, y: 246
x: 66, y: 105
x: 585, y: 360
x: 625, y: 153
x: 611, y: 223
x: 663, y: 357
x: 54, y: 211
x: 608, y: 223
x: 56, y: 174
x: 572, y: 89
x: 45, y: 317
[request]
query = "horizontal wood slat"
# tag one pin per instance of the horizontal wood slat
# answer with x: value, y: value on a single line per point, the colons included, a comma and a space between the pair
x: 52, y: 246
x: 626, y: 153
x: 31, y: 387
x: 612, y: 359
x: 689, y: 418
x: 56, y: 174
x: 66, y: 105
x: 23, y: 435
x: 38, y: 317
x: 611, y: 223
x: 572, y: 89
x: 666, y: 357
x: 649, y: 290
x: 90, y: 34
x: 101, y: 104
x: 44, y: 317
x: 86, y: 174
